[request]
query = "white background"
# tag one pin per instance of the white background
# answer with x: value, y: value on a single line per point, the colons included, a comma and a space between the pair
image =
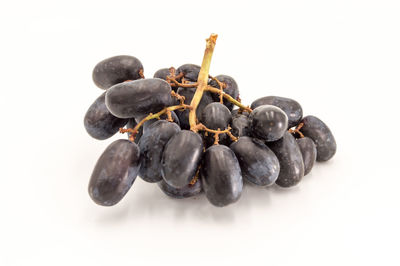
x: 340, y: 59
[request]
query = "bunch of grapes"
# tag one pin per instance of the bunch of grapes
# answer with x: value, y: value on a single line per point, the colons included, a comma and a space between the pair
x: 189, y: 132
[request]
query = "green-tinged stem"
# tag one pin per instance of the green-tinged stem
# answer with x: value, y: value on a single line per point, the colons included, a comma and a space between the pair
x: 229, y: 98
x: 202, y: 80
x: 135, y: 130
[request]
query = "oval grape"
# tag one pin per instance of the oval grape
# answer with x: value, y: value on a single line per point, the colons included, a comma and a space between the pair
x: 322, y: 136
x: 138, y: 98
x: 308, y: 152
x: 268, y: 122
x: 181, y: 158
x: 115, y: 172
x: 99, y: 122
x: 258, y: 163
x: 292, y: 108
x: 190, y: 71
x: 290, y: 160
x: 115, y: 70
x: 221, y: 176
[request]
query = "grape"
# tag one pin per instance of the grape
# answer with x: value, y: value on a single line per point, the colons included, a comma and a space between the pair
x: 216, y: 116
x: 268, y: 122
x: 190, y: 71
x: 322, y: 136
x: 221, y: 176
x: 290, y: 160
x: 115, y: 172
x: 138, y: 98
x: 181, y: 158
x: 308, y: 152
x: 258, y: 163
x: 180, y: 193
x: 231, y: 88
x: 292, y: 108
x: 241, y: 125
x: 162, y: 73
x: 151, y: 147
x: 188, y: 94
x: 115, y: 70
x: 131, y: 124
x: 99, y: 122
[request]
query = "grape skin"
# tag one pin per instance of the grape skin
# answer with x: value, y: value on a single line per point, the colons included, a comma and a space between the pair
x: 180, y: 193
x: 190, y: 71
x: 115, y: 70
x: 138, y: 98
x: 115, y: 172
x: 162, y: 73
x: 308, y: 152
x: 99, y: 122
x: 292, y: 108
x: 231, y: 89
x: 259, y: 164
x: 221, y: 176
x: 322, y: 136
x: 152, y: 146
x: 241, y: 125
x: 216, y: 116
x: 181, y: 158
x: 290, y: 160
x: 268, y: 122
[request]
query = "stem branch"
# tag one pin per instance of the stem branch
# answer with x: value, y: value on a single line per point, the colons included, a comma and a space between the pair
x: 202, y: 80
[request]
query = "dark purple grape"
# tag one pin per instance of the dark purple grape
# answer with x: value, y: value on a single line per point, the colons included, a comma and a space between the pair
x: 152, y: 146
x: 259, y: 164
x: 115, y: 70
x: 181, y: 158
x: 138, y: 98
x: 268, y: 122
x: 115, y: 172
x: 162, y: 73
x: 190, y: 71
x: 241, y: 125
x: 99, y: 122
x: 221, y: 176
x: 322, y: 136
x: 290, y: 160
x: 309, y: 153
x: 216, y: 115
x: 131, y: 124
x: 188, y: 94
x: 231, y: 88
x: 180, y: 193
x: 292, y: 108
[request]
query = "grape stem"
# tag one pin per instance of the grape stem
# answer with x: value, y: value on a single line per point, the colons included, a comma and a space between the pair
x: 202, y: 80
x: 229, y: 98
x: 297, y: 130
x: 200, y: 126
x: 166, y: 110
